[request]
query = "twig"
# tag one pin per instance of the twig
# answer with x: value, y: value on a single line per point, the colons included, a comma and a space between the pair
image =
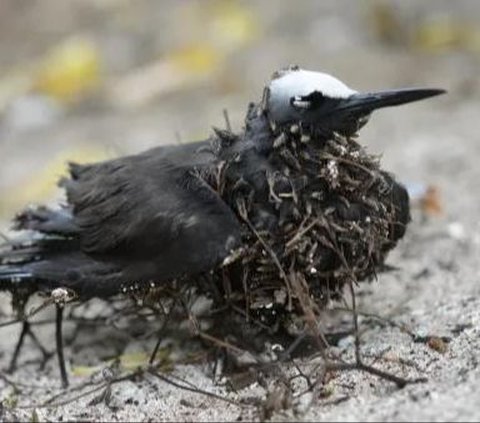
x: 192, y: 389
x: 387, y: 320
x: 70, y: 390
x: 11, y: 322
x: 399, y: 381
x: 301, y: 233
x: 358, y: 357
x: 228, y: 126
x: 49, y: 404
x: 162, y: 328
x: 243, y: 213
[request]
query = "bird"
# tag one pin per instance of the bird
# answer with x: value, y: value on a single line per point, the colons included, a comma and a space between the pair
x: 253, y: 205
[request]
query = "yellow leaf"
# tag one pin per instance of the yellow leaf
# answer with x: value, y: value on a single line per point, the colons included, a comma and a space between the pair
x: 233, y: 24
x: 70, y: 70
x: 197, y: 59
x: 445, y: 33
x: 133, y: 360
x: 84, y: 371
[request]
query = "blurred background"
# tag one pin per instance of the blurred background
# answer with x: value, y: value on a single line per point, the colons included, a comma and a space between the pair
x: 92, y: 79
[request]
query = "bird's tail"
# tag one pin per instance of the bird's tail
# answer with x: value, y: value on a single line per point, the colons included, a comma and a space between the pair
x: 14, y: 257
x: 42, y: 262
x: 11, y: 277
x: 18, y: 257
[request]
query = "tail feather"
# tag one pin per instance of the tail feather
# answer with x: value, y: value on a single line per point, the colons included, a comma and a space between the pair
x: 46, y: 262
x: 47, y: 254
x: 35, y: 247
x: 11, y: 277
x: 18, y: 257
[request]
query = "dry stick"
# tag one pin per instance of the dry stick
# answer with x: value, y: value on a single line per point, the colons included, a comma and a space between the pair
x: 17, y: 385
x: 11, y: 322
x: 219, y: 342
x: 185, y: 386
x: 227, y: 120
x: 198, y: 332
x: 69, y: 391
x: 13, y: 362
x: 247, y: 293
x: 300, y: 233
x: 10, y: 382
x: 275, y: 259
x: 192, y: 389
x: 214, y: 340
x: 171, y: 376
x: 403, y: 327
x: 359, y: 365
x: 36, y: 341
x: 256, y: 322
x: 40, y: 307
x: 48, y: 404
x: 358, y: 358
x: 301, y: 374
x: 50, y: 321
x: 352, y: 293
x: 399, y: 381
x: 336, y: 401
x: 403, y: 361
x: 31, y: 313
x: 349, y: 162
x: 309, y: 313
x: 80, y: 387
x: 243, y: 214
x: 310, y: 316
x: 164, y: 325
x: 293, y: 346
x: 59, y: 344
x: 391, y: 322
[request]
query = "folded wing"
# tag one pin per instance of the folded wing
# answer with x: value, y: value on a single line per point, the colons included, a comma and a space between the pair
x: 141, y: 218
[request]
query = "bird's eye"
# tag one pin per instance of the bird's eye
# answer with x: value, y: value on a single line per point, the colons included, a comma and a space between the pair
x: 310, y: 101
x: 316, y: 98
x: 299, y: 103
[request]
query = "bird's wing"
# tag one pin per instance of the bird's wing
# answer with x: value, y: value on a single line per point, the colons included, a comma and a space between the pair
x: 152, y: 210
x: 144, y: 218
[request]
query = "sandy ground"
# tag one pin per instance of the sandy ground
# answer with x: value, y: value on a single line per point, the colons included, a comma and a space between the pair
x: 434, y: 292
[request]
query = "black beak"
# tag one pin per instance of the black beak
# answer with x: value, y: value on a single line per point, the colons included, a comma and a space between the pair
x: 347, y: 115
x: 368, y: 102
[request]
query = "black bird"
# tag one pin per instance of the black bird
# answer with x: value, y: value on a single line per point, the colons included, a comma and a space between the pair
x: 223, y: 205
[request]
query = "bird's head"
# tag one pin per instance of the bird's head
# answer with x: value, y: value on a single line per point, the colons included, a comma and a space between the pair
x: 323, y: 102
